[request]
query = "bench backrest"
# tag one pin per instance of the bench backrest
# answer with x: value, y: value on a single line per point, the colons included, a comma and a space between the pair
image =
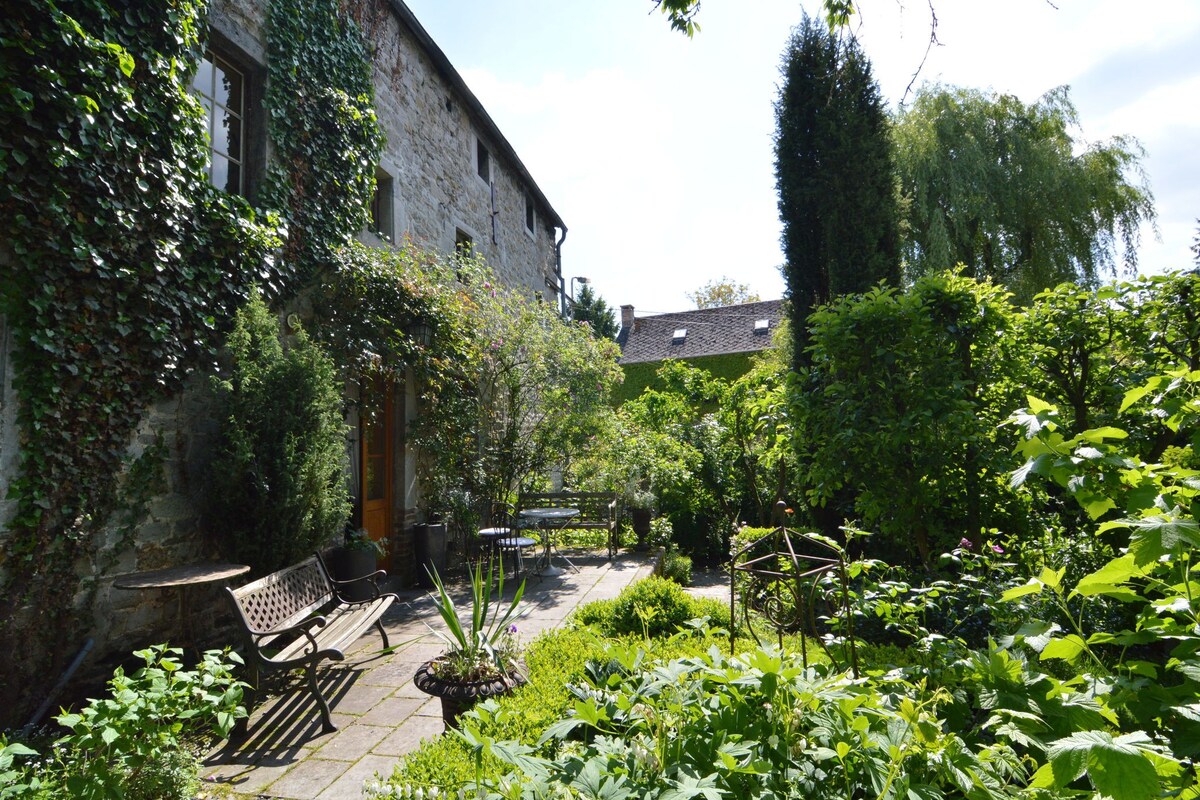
x: 595, y: 506
x: 285, y: 597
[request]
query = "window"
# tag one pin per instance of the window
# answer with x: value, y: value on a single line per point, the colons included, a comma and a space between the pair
x: 483, y: 161
x: 762, y: 325
x: 463, y: 243
x: 382, y: 216
x: 464, y: 246
x: 679, y: 335
x: 529, y: 217
x: 222, y: 90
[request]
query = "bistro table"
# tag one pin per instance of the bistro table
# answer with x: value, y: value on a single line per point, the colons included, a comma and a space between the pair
x: 181, y: 579
x: 550, y: 521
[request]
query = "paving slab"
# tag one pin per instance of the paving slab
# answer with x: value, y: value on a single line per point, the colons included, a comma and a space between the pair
x: 380, y: 714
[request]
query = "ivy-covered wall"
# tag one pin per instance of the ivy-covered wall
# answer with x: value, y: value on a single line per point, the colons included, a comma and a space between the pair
x: 639, y: 377
x: 122, y: 265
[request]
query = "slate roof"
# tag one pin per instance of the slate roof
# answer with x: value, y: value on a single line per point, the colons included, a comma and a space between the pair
x: 710, y: 332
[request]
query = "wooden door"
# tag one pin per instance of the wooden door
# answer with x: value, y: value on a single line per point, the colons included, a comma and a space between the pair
x: 376, y: 453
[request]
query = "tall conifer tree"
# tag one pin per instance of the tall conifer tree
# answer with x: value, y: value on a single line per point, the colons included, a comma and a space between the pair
x: 833, y: 169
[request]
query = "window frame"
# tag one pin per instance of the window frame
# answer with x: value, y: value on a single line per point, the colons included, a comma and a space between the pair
x: 383, y: 207
x: 483, y: 162
x: 530, y: 216
x: 214, y: 61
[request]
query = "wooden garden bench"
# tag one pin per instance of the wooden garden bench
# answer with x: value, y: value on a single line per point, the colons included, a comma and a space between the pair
x: 297, y: 617
x: 597, y: 511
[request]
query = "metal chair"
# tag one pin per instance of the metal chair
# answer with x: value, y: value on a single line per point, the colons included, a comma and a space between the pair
x: 503, y: 537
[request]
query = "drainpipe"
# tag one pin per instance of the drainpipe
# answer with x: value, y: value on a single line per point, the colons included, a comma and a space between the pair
x: 562, y: 289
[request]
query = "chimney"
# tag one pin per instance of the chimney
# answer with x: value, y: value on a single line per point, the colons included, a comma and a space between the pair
x: 627, y: 318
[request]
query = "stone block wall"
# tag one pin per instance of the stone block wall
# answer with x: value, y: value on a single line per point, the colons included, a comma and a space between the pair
x: 432, y: 130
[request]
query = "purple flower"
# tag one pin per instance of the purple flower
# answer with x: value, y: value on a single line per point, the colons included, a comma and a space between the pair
x: 997, y: 549
x: 512, y: 628
x: 965, y: 544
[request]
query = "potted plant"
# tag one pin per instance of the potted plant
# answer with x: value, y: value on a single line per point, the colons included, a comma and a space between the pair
x: 481, y: 658
x: 359, y: 556
x: 640, y: 502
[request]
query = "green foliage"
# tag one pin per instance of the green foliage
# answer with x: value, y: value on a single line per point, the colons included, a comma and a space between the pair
x: 589, y: 307
x: 654, y: 607
x: 323, y: 128
x: 757, y: 725
x: 897, y: 417
x: 142, y: 741
x: 122, y: 268
x: 682, y: 13
x: 710, y: 451
x: 485, y: 647
x: 1008, y: 191
x: 1148, y: 668
x: 644, y: 375
x: 276, y: 485
x: 524, y: 390
x: 557, y: 660
x: 897, y: 414
x: 17, y: 781
x: 677, y: 568
x: 723, y: 292
x: 833, y: 172
x: 367, y: 301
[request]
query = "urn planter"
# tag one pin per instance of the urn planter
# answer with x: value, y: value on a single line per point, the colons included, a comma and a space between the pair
x: 459, y: 696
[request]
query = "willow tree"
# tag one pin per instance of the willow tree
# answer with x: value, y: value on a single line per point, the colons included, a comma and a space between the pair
x: 833, y: 171
x: 1008, y: 190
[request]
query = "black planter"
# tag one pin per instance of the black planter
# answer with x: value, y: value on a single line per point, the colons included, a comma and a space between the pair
x: 641, y: 525
x: 429, y: 549
x: 458, y: 696
x: 355, y: 563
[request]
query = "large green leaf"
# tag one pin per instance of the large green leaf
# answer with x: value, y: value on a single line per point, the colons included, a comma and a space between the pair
x: 1068, y: 648
x: 1116, y: 767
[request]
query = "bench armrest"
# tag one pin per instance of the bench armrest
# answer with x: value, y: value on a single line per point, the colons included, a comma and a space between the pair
x: 373, y: 578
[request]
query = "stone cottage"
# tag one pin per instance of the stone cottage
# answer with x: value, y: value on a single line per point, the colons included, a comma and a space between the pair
x: 448, y: 178
x: 719, y: 340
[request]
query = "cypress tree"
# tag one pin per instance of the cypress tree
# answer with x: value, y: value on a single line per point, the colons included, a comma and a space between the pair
x: 833, y: 171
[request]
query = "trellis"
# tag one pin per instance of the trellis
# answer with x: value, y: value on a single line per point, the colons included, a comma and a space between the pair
x: 789, y: 599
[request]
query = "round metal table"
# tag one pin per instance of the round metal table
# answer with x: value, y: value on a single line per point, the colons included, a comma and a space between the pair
x: 550, y: 521
x: 181, y: 579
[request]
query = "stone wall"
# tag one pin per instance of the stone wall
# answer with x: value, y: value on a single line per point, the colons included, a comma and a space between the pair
x: 431, y: 154
x: 432, y: 130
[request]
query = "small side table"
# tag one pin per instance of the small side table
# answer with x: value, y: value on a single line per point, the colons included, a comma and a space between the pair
x: 550, y: 521
x: 182, y: 579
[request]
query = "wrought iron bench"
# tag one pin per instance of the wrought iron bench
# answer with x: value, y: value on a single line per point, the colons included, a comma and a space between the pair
x: 597, y: 511
x: 298, y: 617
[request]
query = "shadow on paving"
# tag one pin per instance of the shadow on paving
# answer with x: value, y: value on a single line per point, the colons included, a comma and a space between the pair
x: 380, y: 714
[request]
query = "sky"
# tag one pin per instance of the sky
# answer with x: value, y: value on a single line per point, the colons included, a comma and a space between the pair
x: 657, y: 150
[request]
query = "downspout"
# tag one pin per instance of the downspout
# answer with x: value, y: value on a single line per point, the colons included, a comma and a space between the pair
x: 562, y: 287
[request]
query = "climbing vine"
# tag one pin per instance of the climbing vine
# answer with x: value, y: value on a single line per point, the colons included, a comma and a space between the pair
x: 323, y: 127
x: 122, y: 264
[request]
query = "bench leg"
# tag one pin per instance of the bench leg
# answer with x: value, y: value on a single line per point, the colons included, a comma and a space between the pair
x: 382, y: 633
x: 326, y: 721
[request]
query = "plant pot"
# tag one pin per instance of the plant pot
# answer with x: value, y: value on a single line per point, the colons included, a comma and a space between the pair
x: 429, y: 551
x: 641, y: 525
x: 459, y: 696
x: 351, y: 564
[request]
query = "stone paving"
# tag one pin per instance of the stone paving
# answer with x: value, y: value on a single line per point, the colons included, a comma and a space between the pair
x: 380, y: 714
